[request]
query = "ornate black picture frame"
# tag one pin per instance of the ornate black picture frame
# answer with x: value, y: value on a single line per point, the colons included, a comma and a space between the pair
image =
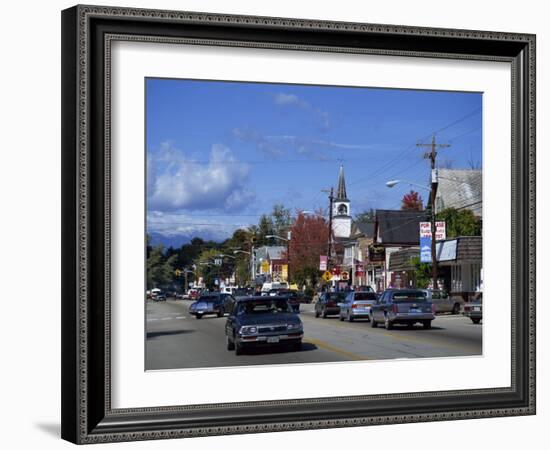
x: 87, y: 33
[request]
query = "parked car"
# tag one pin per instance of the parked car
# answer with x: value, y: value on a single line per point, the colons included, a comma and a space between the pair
x: 357, y: 305
x: 474, y: 309
x: 262, y: 321
x: 403, y: 306
x: 207, y: 303
x: 443, y: 302
x: 328, y: 304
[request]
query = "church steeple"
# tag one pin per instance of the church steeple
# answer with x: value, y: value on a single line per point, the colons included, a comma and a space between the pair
x: 341, y: 222
x: 341, y: 192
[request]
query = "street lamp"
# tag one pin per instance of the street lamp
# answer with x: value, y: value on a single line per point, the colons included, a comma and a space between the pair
x: 433, y: 190
x: 392, y: 183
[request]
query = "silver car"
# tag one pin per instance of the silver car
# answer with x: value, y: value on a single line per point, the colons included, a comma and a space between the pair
x: 406, y: 306
x: 357, y: 305
x: 443, y: 302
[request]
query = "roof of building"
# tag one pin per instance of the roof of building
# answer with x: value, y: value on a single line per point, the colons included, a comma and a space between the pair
x: 459, y: 188
x: 341, y: 194
x: 362, y: 229
x: 271, y: 252
x: 399, y: 226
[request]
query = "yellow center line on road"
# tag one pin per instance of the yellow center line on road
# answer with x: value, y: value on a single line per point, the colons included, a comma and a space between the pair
x: 331, y: 348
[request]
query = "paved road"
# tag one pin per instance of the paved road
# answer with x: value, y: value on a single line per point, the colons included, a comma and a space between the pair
x: 175, y: 339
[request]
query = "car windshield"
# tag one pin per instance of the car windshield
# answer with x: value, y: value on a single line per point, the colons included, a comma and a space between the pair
x: 409, y: 296
x: 336, y: 296
x: 263, y: 307
x: 365, y: 296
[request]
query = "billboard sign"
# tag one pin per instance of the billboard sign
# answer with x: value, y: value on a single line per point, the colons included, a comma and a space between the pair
x: 440, y: 230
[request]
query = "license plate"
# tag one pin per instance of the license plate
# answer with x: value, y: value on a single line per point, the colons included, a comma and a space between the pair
x: 200, y: 312
x: 414, y: 310
x: 477, y: 308
x: 272, y: 339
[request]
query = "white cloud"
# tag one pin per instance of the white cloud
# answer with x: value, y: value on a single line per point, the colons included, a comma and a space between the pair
x: 177, y: 181
x: 321, y: 117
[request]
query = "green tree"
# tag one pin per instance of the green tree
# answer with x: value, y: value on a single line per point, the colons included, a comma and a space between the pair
x: 265, y: 228
x: 281, y: 219
x: 460, y: 222
x: 160, y: 268
x: 423, y: 273
x: 210, y: 271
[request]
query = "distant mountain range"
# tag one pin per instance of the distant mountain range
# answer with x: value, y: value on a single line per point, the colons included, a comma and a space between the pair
x: 177, y: 240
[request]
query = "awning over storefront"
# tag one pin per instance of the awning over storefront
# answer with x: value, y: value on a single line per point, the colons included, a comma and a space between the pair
x: 463, y: 249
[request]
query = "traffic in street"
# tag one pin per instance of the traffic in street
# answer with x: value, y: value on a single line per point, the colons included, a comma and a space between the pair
x: 175, y: 338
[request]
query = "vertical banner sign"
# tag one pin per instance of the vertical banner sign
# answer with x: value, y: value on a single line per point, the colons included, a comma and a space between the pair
x: 426, y: 239
x: 425, y: 242
x: 323, y: 260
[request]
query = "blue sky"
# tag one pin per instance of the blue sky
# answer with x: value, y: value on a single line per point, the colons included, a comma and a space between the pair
x: 219, y: 154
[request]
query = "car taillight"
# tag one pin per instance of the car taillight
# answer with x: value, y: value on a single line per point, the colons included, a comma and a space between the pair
x: 394, y: 308
x: 355, y: 305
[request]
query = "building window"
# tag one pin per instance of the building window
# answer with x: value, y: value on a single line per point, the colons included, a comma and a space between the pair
x: 456, y: 278
x: 342, y: 209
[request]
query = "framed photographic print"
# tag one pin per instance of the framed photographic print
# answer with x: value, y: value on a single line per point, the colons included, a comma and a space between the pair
x: 281, y: 224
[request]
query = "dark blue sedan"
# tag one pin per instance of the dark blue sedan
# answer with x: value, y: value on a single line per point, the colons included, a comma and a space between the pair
x: 262, y: 321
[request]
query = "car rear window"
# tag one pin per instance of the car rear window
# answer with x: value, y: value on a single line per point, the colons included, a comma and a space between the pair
x: 209, y: 297
x: 410, y: 296
x: 337, y: 296
x: 365, y: 296
x: 263, y: 307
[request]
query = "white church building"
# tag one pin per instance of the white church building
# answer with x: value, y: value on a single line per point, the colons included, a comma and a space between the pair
x: 341, y: 213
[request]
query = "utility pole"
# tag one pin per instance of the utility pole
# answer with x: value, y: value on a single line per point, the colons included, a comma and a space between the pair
x: 330, y: 199
x: 432, y: 155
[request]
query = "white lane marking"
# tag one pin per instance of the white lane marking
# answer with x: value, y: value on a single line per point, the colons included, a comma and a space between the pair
x: 154, y: 319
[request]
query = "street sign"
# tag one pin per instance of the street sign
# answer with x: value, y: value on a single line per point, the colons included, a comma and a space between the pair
x: 323, y: 260
x: 345, y: 276
x: 327, y: 276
